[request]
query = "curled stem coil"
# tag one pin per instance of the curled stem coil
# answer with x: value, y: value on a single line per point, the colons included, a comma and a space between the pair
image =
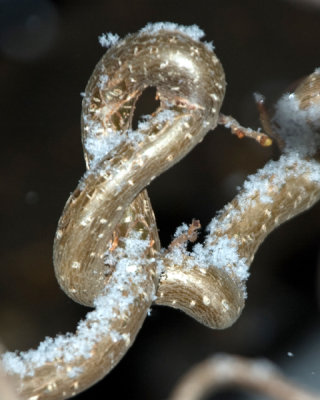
x: 107, y: 251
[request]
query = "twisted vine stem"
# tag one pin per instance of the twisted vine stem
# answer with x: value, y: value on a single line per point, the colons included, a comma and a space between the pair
x: 107, y: 251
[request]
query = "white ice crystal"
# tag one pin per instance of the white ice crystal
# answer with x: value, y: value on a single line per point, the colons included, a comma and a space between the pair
x: 108, y: 39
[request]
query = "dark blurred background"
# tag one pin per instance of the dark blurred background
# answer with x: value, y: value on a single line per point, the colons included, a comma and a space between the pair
x: 47, y: 52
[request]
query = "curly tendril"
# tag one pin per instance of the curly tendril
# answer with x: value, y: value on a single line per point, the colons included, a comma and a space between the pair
x: 107, y: 252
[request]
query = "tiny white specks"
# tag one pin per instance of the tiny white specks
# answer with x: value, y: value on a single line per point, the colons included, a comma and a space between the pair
x: 59, y: 234
x: 206, y: 300
x: 264, y: 228
x: 128, y: 218
x: 267, y: 213
x: 76, y: 385
x: 130, y: 181
x: 86, y: 221
x: 73, y: 290
x: 92, y: 254
x: 192, y: 303
x: 213, y: 110
x: 174, y: 302
x: 188, y: 136
x: 103, y: 221
x: 51, y: 386
x: 100, y: 236
x: 225, y: 305
x: 126, y: 338
x: 215, y: 62
x: 75, y: 265
x: 249, y: 238
x: 214, y: 97
x: 34, y: 397
x: 170, y: 157
x: 164, y: 64
x: 119, y: 208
